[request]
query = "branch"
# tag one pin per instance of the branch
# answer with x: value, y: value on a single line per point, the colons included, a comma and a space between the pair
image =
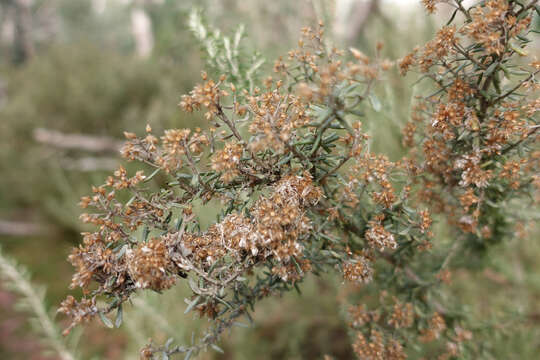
x: 77, y: 141
x: 19, y: 228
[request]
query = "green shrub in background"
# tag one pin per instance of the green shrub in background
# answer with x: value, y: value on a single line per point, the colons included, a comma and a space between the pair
x: 81, y: 90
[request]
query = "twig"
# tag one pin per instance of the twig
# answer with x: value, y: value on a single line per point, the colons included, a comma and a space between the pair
x: 19, y: 228
x: 77, y: 141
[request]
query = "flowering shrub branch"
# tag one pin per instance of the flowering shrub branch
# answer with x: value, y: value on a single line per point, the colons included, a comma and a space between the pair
x: 475, y: 136
x: 301, y: 193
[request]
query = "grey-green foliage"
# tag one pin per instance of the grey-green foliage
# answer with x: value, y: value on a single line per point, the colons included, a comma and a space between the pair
x: 32, y: 300
x: 225, y: 54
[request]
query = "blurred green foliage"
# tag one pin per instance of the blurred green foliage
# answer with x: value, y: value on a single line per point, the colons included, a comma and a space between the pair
x: 76, y: 89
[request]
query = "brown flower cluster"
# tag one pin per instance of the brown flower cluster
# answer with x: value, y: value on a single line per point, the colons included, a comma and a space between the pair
x: 275, y: 229
x: 470, y: 130
x: 276, y: 117
x: 376, y: 348
x: 227, y: 161
x: 378, y: 237
x: 373, y: 341
x: 431, y: 5
x: 436, y: 325
x: 402, y: 315
x: 79, y: 312
x: 358, y: 269
x: 360, y: 316
x: 205, y: 95
x: 150, y: 266
x: 492, y: 24
x: 176, y: 148
x: 438, y: 48
x: 374, y: 171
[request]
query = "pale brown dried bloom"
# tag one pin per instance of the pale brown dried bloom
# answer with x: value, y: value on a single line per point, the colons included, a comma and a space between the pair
x: 361, y: 316
x: 150, y: 266
x: 358, y: 270
x: 436, y: 325
x: 227, y: 161
x: 430, y: 5
x: 373, y: 349
x: 79, y: 312
x: 402, y: 315
x: 378, y: 237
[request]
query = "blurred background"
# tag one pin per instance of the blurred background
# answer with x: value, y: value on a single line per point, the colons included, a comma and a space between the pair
x: 74, y: 74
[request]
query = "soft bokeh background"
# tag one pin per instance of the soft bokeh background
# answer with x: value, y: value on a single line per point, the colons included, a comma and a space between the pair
x: 74, y: 74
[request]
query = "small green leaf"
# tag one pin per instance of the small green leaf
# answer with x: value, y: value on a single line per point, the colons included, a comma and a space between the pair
x: 239, y: 324
x: 506, y: 72
x: 121, y: 251
x: 217, y: 348
x: 108, y: 323
x: 192, y: 304
x: 152, y: 175
x: 518, y: 50
x: 491, y: 68
x: 179, y: 223
x: 375, y: 103
x: 183, y: 176
x: 130, y: 201
x: 193, y: 285
x: 224, y: 303
x: 119, y: 316
x: 145, y: 233
x: 285, y: 159
x: 452, y: 17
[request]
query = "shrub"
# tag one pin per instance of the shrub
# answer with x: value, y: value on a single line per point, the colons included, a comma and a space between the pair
x: 301, y: 192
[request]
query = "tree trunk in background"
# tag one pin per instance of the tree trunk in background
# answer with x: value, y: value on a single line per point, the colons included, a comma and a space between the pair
x: 352, y: 17
x: 99, y: 6
x: 141, y: 27
x: 23, y: 47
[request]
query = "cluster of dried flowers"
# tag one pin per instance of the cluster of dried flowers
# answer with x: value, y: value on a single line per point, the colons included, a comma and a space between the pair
x: 301, y: 192
x: 474, y: 138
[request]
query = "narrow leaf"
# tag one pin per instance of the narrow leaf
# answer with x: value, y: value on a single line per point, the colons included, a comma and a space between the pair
x: 119, y: 316
x: 375, y: 103
x: 108, y: 323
